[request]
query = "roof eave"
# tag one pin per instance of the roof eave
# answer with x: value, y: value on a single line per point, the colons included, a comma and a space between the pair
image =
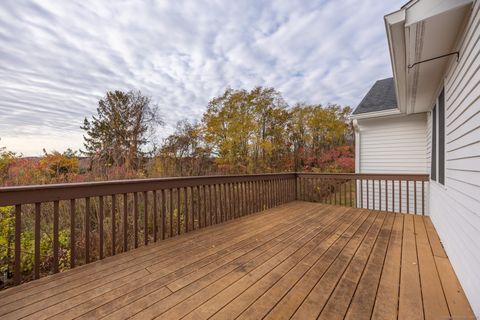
x: 376, y: 114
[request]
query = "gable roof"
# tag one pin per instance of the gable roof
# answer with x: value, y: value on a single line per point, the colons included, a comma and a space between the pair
x: 380, y: 97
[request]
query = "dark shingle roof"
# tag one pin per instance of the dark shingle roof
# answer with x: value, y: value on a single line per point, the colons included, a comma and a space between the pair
x: 380, y: 97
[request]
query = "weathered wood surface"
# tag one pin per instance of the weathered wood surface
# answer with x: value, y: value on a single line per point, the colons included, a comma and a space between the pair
x: 299, y: 260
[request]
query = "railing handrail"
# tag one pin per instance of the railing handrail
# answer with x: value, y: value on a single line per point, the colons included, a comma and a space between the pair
x: 65, y: 191
x: 378, y: 176
x: 16, y: 195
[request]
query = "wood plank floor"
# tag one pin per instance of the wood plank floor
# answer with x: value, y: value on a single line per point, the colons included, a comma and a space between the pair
x: 300, y: 260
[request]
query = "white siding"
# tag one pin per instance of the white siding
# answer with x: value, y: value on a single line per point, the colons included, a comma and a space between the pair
x: 455, y: 207
x: 393, y: 145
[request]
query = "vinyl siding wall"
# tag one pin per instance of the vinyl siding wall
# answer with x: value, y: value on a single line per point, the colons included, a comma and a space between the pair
x: 393, y: 145
x: 455, y: 207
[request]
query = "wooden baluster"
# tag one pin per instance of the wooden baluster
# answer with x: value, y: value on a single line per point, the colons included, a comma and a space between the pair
x: 100, y: 225
x: 223, y: 195
x: 218, y: 208
x: 237, y: 195
x: 368, y: 194
x: 361, y: 192
x: 37, y: 240
x: 304, y: 186
x: 373, y: 194
x: 135, y: 219
x: 208, y: 195
x: 145, y: 217
x: 236, y: 198
x: 239, y: 199
x: 277, y: 191
x: 280, y: 191
x: 171, y: 211
x: 231, y: 194
x: 423, y: 198
x: 72, y: 235
x: 408, y: 197
x: 55, y: 236
x: 386, y: 195
x: 114, y: 224
x: 213, y: 214
x: 228, y: 200
x: 274, y: 193
x: 125, y: 222
x: 249, y: 197
x: 155, y: 211
x: 164, y: 212
x: 192, y: 208
x: 393, y: 196
x: 269, y: 193
x: 87, y: 230
x: 380, y: 194
x: 231, y: 201
x: 178, y: 211
x: 205, y: 205
x: 356, y: 192
x: 17, y: 276
x: 265, y: 194
x: 187, y: 209
x: 415, y: 195
x: 244, y: 197
x: 257, y: 197
x: 307, y: 190
x: 185, y: 199
x: 400, y: 195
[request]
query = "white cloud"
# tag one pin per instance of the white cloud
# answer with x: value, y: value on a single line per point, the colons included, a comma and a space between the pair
x: 57, y: 58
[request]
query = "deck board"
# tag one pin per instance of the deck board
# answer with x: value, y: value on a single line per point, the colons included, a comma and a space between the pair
x: 299, y: 260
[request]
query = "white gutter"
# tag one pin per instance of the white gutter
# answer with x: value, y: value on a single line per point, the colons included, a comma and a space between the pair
x: 376, y: 114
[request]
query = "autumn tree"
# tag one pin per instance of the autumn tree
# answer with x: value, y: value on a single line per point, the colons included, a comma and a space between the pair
x: 6, y: 160
x: 60, y: 166
x: 269, y: 139
x: 185, y: 150
x: 246, y: 129
x: 120, y: 132
x: 229, y: 125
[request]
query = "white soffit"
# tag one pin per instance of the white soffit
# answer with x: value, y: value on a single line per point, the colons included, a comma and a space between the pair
x: 423, y: 30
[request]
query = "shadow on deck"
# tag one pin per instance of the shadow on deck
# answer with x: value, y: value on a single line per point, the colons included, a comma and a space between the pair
x: 299, y: 260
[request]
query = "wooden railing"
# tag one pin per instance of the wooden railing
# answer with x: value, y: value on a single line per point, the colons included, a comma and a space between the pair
x: 104, y: 218
x: 402, y: 193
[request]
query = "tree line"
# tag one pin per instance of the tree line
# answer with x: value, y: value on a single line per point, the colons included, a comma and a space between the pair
x: 241, y: 131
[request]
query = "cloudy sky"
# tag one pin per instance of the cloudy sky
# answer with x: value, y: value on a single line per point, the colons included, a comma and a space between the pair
x: 57, y: 58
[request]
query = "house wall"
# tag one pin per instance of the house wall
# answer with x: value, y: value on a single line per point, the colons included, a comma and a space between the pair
x: 392, y: 145
x: 455, y: 207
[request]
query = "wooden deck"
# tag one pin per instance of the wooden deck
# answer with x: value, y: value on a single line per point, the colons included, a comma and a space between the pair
x: 300, y: 260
